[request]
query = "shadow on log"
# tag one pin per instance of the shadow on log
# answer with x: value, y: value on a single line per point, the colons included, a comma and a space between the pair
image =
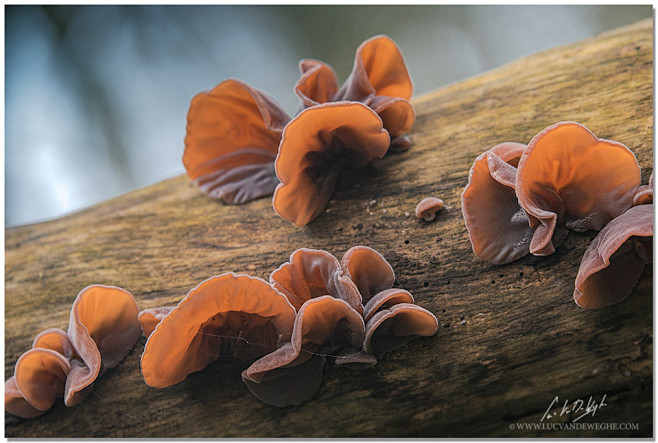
x: 510, y: 339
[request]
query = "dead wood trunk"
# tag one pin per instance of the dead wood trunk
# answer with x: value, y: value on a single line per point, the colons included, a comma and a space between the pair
x: 510, y: 340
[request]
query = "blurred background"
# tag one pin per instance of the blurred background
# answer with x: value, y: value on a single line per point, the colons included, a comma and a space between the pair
x: 96, y: 97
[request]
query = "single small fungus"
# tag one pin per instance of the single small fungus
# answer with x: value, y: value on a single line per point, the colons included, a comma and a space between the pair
x: 497, y: 226
x: 570, y: 179
x: 614, y: 261
x: 316, y: 145
x: 233, y: 134
x: 228, y: 314
x: 291, y: 375
x: 428, y: 207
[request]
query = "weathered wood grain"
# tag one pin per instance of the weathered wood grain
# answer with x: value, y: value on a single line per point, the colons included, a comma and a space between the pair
x: 510, y: 339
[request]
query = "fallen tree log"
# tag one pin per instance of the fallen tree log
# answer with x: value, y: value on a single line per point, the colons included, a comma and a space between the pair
x: 510, y: 341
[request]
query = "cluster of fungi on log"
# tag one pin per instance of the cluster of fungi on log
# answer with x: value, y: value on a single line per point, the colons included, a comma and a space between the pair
x: 314, y: 306
x: 241, y: 145
x: 524, y: 200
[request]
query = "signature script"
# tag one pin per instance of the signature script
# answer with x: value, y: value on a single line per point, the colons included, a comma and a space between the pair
x: 578, y: 408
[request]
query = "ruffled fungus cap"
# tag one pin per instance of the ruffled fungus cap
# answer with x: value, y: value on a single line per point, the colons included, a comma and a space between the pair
x: 40, y: 377
x: 316, y: 145
x: 381, y: 80
x: 234, y: 314
x: 385, y: 299
x: 292, y: 374
x: 312, y: 273
x: 614, y: 261
x: 318, y: 83
x: 103, y: 328
x: 395, y: 326
x: 568, y: 176
x: 379, y: 69
x: 369, y: 270
x: 233, y: 134
x: 497, y: 226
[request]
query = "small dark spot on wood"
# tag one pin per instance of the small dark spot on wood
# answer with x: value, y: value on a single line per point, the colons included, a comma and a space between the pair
x: 493, y: 282
x: 521, y: 274
x: 439, y: 239
x: 426, y: 284
x: 446, y: 325
x: 461, y: 317
x: 448, y: 282
x: 359, y: 226
x: 443, y: 311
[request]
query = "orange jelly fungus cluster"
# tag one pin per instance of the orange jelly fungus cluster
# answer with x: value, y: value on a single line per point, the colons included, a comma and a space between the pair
x: 314, y: 306
x: 241, y: 145
x: 524, y: 199
x: 103, y: 328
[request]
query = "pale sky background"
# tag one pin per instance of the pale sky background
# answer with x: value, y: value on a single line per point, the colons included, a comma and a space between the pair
x: 96, y: 97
